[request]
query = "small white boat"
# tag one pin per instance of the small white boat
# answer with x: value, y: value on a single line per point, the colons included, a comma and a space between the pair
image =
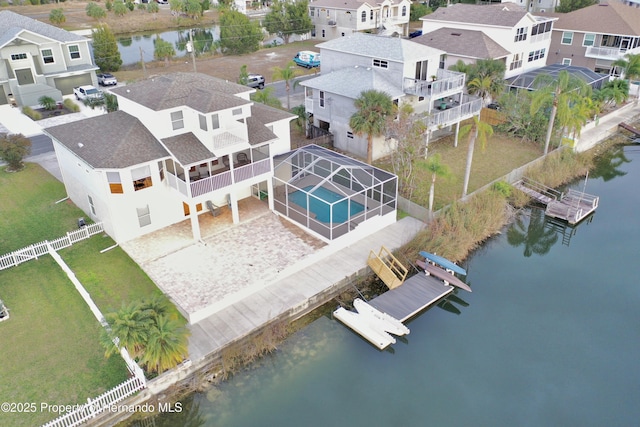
x: 363, y: 326
x: 380, y: 319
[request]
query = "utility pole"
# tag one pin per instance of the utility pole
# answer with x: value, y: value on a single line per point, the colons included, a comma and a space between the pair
x: 193, y: 50
x: 144, y: 67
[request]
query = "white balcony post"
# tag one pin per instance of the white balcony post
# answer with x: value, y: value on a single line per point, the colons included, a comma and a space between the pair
x: 271, y: 193
x: 233, y: 201
x: 455, y: 142
x: 195, y: 224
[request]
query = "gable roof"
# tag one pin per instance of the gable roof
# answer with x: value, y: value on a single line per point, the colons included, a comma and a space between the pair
x: 612, y: 18
x: 351, y: 82
x: 187, y: 148
x: 501, y: 15
x: 468, y: 43
x: 267, y: 115
x: 342, y: 4
x: 199, y: 91
x: 113, y: 141
x: 389, y: 48
x: 12, y: 24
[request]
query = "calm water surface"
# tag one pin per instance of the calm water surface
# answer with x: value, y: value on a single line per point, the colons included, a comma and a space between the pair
x: 549, y: 337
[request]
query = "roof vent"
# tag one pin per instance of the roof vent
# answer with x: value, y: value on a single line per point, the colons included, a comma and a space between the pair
x: 356, y: 66
x: 80, y: 144
x: 456, y: 34
x: 505, y: 8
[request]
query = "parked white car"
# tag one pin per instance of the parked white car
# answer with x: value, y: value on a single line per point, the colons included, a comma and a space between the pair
x: 107, y: 79
x: 85, y: 92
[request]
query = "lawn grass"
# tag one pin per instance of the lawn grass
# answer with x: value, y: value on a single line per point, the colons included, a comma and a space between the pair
x: 29, y: 213
x: 500, y: 156
x: 50, y: 347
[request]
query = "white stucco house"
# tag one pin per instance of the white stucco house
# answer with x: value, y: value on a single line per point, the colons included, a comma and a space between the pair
x: 38, y: 59
x: 177, y: 142
x: 408, y: 72
x: 339, y: 18
x: 505, y: 31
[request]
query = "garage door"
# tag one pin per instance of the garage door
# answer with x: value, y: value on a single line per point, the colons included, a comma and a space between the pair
x: 3, y: 96
x: 66, y: 84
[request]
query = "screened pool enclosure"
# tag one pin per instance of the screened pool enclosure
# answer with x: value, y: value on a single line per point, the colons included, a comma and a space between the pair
x: 329, y: 193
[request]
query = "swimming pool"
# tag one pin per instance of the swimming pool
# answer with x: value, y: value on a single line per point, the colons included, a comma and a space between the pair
x: 323, y: 209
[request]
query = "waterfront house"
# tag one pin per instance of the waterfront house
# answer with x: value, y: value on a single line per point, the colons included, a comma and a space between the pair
x: 408, y: 72
x: 596, y: 36
x: 38, y: 59
x: 339, y: 18
x: 524, y: 36
x: 181, y: 145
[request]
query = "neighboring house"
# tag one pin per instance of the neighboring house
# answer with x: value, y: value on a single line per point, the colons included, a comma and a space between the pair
x: 179, y: 144
x: 339, y: 18
x: 408, y: 72
x: 38, y: 59
x: 596, y: 36
x: 535, y: 5
x: 524, y: 36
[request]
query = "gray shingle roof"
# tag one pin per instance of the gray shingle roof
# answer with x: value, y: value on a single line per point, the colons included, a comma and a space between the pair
x: 472, y: 44
x: 389, y: 48
x: 342, y: 4
x: 502, y: 15
x: 112, y: 141
x: 258, y: 132
x: 187, y: 148
x: 199, y: 91
x: 12, y: 24
x: 267, y: 115
x: 612, y: 18
x: 351, y: 82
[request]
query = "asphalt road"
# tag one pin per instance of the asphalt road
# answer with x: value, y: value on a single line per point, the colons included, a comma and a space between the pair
x: 40, y: 144
x: 296, y: 94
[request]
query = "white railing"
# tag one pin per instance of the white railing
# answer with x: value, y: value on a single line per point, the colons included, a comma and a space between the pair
x: 604, y: 52
x: 252, y: 169
x: 308, y: 105
x: 455, y: 114
x: 447, y: 82
x: 15, y: 258
x: 540, y: 37
x: 212, y: 183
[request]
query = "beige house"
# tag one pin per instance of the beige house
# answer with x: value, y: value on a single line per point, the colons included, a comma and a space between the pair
x: 595, y: 36
x: 339, y: 18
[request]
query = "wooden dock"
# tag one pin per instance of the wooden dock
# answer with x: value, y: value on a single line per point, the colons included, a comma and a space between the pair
x: 630, y: 128
x: 572, y: 206
x: 416, y: 294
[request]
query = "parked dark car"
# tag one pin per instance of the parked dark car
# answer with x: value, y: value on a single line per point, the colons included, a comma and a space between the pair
x: 494, y: 106
x: 416, y: 33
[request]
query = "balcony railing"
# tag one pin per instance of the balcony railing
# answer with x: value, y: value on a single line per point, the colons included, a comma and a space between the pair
x: 611, y: 53
x: 308, y: 105
x: 469, y: 107
x: 220, y: 180
x: 446, y: 83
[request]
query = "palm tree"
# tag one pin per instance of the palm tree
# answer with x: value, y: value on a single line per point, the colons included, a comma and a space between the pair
x: 613, y: 92
x: 167, y: 345
x: 630, y: 68
x: 287, y: 74
x: 437, y: 168
x: 373, y: 108
x: 480, y: 86
x: 460, y: 66
x: 131, y: 326
x: 560, y: 93
x: 266, y: 97
x: 477, y: 130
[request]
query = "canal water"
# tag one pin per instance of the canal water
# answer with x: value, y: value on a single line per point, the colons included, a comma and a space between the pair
x: 549, y: 337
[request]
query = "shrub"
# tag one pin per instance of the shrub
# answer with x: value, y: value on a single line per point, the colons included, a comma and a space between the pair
x: 13, y: 148
x: 29, y: 112
x: 70, y: 105
x: 47, y: 102
x: 503, y: 188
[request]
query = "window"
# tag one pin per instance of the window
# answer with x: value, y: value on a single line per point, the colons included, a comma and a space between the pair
x: 141, y: 177
x: 47, y: 56
x: 161, y: 170
x: 380, y: 63
x: 74, y: 51
x: 371, y: 15
x: 236, y: 111
x: 176, y: 120
x: 323, y: 35
x: 443, y: 58
x: 91, y: 206
x: 115, y: 185
x: 215, y: 121
x: 349, y: 135
x: 203, y: 121
x: 566, y: 61
x: 321, y: 99
x: 404, y: 10
x: 421, y: 70
x: 567, y: 37
x: 364, y: 16
x: 18, y: 56
x: 516, y: 63
x: 537, y: 54
x: 589, y: 40
x: 144, y: 216
x: 521, y: 34
x: 312, y: 11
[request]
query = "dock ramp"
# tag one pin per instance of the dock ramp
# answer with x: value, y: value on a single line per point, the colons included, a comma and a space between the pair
x: 387, y: 267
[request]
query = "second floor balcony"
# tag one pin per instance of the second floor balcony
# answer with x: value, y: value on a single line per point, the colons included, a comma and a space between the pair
x: 454, y: 112
x: 609, y: 53
x: 446, y: 83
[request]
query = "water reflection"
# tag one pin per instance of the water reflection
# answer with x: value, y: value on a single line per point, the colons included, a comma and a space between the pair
x: 609, y: 163
x: 534, y: 236
x: 202, y: 41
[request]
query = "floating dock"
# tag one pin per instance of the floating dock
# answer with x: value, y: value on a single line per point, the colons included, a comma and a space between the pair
x: 415, y: 295
x: 572, y: 206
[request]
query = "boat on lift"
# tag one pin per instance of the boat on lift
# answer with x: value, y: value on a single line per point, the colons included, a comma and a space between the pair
x: 381, y: 320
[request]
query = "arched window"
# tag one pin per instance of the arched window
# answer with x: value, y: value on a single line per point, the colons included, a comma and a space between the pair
x: 364, y: 16
x: 404, y: 10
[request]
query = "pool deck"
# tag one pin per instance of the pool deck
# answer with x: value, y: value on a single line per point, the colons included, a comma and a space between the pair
x: 291, y: 294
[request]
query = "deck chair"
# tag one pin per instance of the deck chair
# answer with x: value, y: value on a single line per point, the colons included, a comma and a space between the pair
x: 215, y: 210
x: 242, y: 158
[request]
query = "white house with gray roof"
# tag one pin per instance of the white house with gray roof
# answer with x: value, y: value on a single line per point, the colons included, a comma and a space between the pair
x: 38, y: 59
x: 339, y: 18
x: 179, y: 145
x: 524, y: 36
x: 408, y: 72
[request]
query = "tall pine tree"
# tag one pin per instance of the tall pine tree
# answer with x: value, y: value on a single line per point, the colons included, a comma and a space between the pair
x: 105, y: 49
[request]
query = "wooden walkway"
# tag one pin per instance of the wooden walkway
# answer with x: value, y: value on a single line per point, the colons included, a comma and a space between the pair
x: 572, y: 206
x: 416, y: 294
x: 630, y: 128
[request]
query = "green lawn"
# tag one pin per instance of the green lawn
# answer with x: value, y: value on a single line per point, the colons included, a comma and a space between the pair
x: 50, y: 347
x: 28, y: 212
x: 500, y: 156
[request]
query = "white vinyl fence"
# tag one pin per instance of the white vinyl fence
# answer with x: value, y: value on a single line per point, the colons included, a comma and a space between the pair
x: 38, y: 249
